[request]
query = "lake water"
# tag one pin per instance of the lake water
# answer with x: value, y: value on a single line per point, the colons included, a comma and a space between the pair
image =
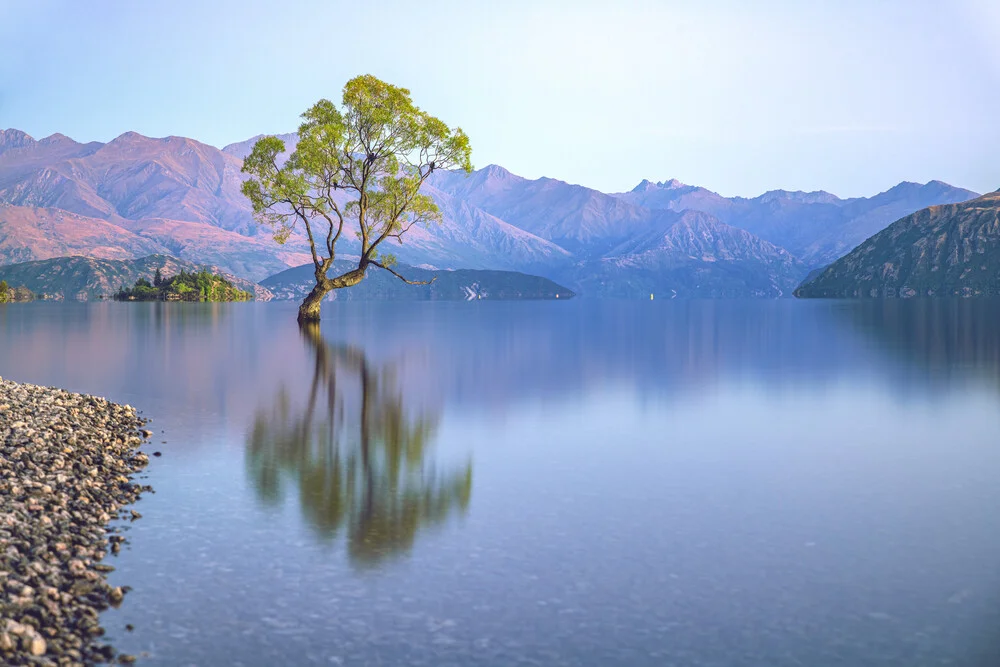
x: 731, y: 483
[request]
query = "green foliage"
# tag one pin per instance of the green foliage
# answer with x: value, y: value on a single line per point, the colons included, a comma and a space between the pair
x: 185, y: 286
x: 10, y: 294
x: 360, y: 166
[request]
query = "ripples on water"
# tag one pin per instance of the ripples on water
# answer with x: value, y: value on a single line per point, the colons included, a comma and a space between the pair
x: 581, y: 483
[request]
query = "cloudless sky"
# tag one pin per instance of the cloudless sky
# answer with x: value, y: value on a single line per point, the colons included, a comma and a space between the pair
x: 850, y: 96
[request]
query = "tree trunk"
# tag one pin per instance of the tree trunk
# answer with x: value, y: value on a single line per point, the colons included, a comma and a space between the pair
x: 309, y: 310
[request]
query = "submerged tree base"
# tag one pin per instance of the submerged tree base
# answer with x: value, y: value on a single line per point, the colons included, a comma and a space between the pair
x: 308, y: 317
x: 309, y: 309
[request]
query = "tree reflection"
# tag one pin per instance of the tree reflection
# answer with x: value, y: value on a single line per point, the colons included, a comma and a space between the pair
x: 356, y: 455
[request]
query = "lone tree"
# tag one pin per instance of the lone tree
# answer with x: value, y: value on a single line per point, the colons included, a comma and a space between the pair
x: 358, y: 168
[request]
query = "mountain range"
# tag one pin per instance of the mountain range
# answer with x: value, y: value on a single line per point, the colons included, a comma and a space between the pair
x: 816, y: 227
x: 136, y: 196
x: 949, y: 250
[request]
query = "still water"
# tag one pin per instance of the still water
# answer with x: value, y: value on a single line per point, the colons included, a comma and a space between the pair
x: 757, y: 483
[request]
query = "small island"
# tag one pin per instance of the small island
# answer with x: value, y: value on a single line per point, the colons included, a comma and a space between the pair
x: 10, y: 294
x: 185, y: 286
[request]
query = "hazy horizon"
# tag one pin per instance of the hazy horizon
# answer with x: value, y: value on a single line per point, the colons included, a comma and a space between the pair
x: 843, y: 97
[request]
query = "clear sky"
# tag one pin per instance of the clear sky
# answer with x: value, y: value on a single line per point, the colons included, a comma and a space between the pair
x: 851, y: 96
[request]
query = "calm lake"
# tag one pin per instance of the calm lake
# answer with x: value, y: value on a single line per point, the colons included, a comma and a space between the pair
x: 730, y: 483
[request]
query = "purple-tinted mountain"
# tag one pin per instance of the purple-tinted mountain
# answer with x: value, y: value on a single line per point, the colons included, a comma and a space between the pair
x: 241, y: 149
x: 696, y: 255
x: 585, y: 222
x: 817, y: 227
x: 136, y: 195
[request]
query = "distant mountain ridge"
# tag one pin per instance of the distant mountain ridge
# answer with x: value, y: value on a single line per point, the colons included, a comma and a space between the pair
x: 136, y: 195
x: 817, y: 227
x: 696, y: 256
x: 458, y: 285
x: 948, y: 250
x: 241, y: 149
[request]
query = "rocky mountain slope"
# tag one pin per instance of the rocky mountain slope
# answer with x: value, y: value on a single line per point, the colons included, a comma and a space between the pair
x: 939, y: 251
x: 90, y: 278
x: 28, y: 234
x: 458, y: 285
x: 130, y: 197
x: 695, y: 256
x: 583, y: 221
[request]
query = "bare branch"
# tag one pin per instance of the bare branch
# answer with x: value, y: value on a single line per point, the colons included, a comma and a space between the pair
x: 408, y: 282
x: 387, y: 232
x: 312, y: 242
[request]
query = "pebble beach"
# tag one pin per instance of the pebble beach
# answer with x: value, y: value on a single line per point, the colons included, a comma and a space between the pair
x: 67, y: 463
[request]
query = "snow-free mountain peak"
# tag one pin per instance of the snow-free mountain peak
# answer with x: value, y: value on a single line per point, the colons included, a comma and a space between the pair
x: 495, y: 171
x: 241, y: 149
x: 647, y: 185
x: 128, y: 137
x: 800, y: 196
x: 56, y: 138
x: 11, y: 139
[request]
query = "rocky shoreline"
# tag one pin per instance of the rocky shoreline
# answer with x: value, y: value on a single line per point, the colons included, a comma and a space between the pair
x: 66, y: 466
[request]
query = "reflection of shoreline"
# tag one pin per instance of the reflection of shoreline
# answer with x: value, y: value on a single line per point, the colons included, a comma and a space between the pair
x: 204, y: 359
x: 941, y: 340
x: 356, y: 456
x: 123, y: 350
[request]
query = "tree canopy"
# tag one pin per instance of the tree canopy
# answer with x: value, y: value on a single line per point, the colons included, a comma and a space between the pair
x: 355, y: 169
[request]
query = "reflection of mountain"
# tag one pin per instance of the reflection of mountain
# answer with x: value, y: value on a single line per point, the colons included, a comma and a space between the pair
x: 938, y: 339
x: 491, y: 355
x: 356, y: 455
x: 226, y: 359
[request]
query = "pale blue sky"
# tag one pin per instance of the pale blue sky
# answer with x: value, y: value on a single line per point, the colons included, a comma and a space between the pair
x: 851, y: 96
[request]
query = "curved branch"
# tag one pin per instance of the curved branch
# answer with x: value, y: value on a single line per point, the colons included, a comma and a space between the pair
x: 300, y: 211
x: 408, y: 282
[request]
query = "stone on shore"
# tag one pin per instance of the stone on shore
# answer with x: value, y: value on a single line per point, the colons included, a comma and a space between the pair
x: 66, y: 466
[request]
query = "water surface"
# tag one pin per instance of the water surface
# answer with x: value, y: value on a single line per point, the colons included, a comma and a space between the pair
x: 579, y: 483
